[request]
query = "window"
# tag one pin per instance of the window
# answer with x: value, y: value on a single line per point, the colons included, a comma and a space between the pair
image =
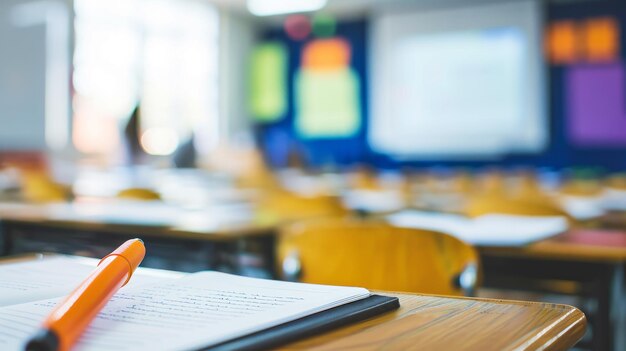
x: 162, y: 54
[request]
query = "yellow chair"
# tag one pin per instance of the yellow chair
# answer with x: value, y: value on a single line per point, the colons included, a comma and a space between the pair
x: 582, y: 187
x: 491, y: 183
x: 37, y: 186
x: 502, y: 205
x: 363, y: 178
x: 286, y: 206
x: 616, y: 181
x: 462, y: 182
x: 376, y: 255
x: 247, y: 166
x: 523, y: 197
x: 139, y: 194
x: 527, y: 187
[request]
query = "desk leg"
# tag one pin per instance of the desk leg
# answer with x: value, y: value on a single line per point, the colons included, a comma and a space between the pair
x: 5, y: 240
x: 254, y: 256
x: 618, y: 309
x: 603, y: 282
x: 603, y: 328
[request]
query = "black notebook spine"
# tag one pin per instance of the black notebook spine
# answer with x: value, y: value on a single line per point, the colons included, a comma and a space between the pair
x: 312, y: 325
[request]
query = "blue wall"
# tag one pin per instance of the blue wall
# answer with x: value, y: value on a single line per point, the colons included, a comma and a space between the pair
x: 275, y: 137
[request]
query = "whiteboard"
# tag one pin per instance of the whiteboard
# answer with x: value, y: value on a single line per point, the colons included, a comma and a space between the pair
x: 463, y: 82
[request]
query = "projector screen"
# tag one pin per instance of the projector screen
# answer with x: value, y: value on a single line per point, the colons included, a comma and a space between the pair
x: 458, y: 82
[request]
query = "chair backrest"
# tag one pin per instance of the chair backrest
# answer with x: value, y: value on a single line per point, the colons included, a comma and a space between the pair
x: 616, y: 181
x: 139, y: 194
x: 38, y: 186
x: 526, y: 207
x: 376, y: 255
x: 286, y: 206
x: 582, y: 187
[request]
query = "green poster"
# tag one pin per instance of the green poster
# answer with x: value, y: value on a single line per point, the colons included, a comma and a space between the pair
x: 268, y: 82
x: 327, y: 103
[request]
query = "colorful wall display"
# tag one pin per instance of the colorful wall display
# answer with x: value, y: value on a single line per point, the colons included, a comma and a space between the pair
x: 298, y: 27
x: 596, y: 108
x: 327, y: 91
x: 561, y: 42
x: 601, y: 39
x: 594, y: 40
x: 268, y: 82
x: 584, y: 49
x: 589, y: 51
x: 324, y: 92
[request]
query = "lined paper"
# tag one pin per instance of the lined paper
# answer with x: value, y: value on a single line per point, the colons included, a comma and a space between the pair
x: 198, y: 310
x: 41, y: 279
x: 57, y: 276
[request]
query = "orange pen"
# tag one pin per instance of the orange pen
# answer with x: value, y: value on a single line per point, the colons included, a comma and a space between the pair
x: 69, y: 319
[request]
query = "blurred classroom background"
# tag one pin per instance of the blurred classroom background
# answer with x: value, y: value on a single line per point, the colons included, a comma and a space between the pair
x: 261, y: 137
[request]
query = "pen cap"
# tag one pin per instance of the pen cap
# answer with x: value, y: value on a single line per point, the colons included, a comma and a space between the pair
x: 132, y: 250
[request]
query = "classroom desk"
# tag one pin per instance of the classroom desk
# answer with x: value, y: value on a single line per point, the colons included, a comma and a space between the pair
x: 613, y: 219
x: 587, y: 263
x: 441, y: 323
x: 427, y: 322
x: 185, y: 240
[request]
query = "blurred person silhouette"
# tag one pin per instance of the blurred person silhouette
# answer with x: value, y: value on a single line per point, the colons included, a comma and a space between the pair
x: 133, y: 153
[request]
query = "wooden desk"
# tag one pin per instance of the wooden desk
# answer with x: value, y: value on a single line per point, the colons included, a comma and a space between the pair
x: 217, y: 223
x: 592, y: 245
x: 586, y: 263
x: 427, y: 322
x: 438, y: 323
x: 614, y: 220
x: 186, y: 240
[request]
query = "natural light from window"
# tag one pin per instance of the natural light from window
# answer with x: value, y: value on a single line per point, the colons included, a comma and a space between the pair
x: 160, y: 54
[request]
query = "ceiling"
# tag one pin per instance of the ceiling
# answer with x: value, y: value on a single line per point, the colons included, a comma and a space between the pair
x: 354, y: 7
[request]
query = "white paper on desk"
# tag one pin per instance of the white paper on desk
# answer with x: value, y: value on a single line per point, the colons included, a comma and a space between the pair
x: 486, y: 230
x: 373, y: 200
x: 12, y: 207
x: 614, y: 199
x: 125, y: 212
x: 147, y: 213
x: 589, y: 207
x: 58, y: 276
x: 196, y: 311
x: 582, y: 207
x: 437, y: 221
x: 512, y: 230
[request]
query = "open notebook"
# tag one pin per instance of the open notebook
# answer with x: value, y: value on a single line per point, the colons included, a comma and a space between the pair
x: 485, y: 230
x: 160, y: 311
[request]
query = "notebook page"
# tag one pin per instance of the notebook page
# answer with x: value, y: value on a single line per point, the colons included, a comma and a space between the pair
x: 192, y: 312
x: 55, y: 276
x: 40, y: 279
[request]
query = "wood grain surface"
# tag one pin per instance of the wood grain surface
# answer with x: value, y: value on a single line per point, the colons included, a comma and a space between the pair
x: 428, y: 322
x: 441, y: 323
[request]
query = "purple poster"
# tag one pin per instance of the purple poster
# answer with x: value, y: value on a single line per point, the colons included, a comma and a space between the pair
x: 595, y: 105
